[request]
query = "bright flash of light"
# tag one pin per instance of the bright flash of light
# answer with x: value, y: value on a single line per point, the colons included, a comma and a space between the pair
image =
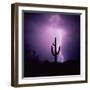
x: 54, y: 29
x: 60, y: 36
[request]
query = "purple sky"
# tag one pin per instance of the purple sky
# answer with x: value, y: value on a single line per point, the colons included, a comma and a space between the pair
x: 40, y: 29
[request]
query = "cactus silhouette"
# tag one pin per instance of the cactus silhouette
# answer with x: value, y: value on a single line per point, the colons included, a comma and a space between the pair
x: 54, y: 50
x: 35, y: 56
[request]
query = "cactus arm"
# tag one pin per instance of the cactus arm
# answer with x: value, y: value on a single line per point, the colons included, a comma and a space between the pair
x: 55, y: 40
x: 53, y: 44
x: 52, y: 51
x: 58, y: 50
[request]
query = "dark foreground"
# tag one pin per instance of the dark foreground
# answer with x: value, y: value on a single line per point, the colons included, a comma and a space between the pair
x: 51, y: 69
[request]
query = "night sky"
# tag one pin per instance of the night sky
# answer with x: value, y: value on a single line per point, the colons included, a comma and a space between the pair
x: 40, y: 30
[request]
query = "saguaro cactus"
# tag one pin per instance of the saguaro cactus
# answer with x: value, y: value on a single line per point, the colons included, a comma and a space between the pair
x: 54, y: 50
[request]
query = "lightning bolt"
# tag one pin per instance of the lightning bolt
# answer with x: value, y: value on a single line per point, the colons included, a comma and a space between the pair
x: 62, y: 57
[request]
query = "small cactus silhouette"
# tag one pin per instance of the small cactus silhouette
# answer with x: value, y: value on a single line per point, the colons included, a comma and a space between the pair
x: 54, y: 50
x: 34, y: 55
